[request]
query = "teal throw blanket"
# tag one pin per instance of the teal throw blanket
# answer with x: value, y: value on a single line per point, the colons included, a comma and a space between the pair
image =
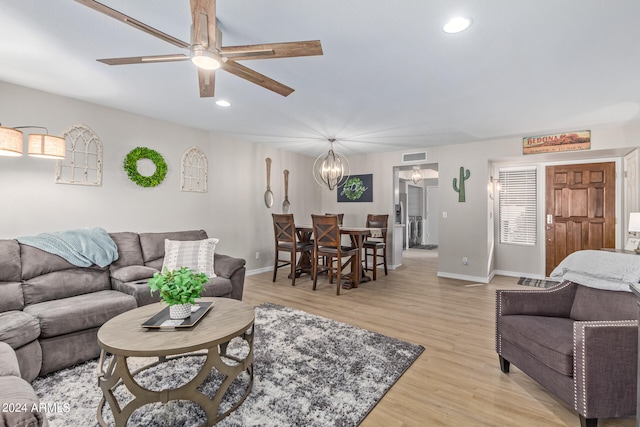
x: 83, y: 247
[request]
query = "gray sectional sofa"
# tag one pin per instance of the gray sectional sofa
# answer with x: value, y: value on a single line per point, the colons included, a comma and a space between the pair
x: 51, y: 310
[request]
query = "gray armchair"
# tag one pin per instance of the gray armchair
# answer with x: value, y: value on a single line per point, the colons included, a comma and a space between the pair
x: 579, y: 342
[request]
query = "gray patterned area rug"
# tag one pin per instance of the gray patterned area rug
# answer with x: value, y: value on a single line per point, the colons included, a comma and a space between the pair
x: 308, y: 371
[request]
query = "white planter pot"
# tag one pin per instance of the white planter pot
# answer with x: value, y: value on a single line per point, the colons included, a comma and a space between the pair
x: 179, y: 311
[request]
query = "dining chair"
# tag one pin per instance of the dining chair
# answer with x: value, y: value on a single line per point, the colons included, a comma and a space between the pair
x: 284, y: 230
x: 340, y: 218
x: 374, y: 244
x: 326, y: 245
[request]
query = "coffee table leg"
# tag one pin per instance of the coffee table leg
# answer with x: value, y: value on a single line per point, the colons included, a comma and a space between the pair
x: 118, y: 372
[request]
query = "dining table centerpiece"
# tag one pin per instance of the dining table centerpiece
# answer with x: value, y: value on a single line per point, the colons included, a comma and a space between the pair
x: 179, y: 289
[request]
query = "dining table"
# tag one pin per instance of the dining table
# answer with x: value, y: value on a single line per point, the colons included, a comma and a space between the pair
x: 357, y: 235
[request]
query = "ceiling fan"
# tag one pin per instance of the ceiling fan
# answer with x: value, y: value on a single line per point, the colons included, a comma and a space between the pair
x: 206, y: 50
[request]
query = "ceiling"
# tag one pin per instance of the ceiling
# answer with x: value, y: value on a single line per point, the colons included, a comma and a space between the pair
x: 390, y: 78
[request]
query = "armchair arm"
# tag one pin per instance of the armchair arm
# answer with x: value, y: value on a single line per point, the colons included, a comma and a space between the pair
x: 553, y: 302
x: 605, y: 366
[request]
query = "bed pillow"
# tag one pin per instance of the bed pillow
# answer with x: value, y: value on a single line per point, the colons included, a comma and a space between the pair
x: 194, y: 254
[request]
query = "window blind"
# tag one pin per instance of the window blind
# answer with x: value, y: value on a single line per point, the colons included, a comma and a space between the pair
x: 518, y: 205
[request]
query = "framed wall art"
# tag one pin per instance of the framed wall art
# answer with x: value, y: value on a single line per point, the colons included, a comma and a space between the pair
x: 356, y: 188
x: 570, y: 141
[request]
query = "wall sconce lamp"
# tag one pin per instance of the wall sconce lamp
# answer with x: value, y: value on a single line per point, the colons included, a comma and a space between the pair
x: 38, y: 145
x: 493, y: 186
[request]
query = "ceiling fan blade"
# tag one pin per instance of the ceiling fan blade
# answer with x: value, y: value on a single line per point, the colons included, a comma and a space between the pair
x: 203, y: 18
x: 143, y: 59
x: 133, y: 22
x: 206, y: 81
x: 257, y: 78
x: 273, y: 50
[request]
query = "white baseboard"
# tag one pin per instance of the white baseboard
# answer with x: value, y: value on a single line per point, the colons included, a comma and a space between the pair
x: 464, y: 277
x: 258, y: 271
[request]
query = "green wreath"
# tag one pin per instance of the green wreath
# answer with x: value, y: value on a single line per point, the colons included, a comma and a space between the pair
x: 354, y: 188
x: 131, y: 167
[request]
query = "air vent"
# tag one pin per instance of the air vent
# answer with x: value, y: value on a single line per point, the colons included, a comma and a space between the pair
x: 414, y: 157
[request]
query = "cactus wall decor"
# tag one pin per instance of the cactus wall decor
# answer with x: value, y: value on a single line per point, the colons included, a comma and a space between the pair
x: 459, y: 188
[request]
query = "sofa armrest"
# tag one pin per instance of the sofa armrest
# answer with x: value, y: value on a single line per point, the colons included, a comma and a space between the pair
x: 226, y: 266
x: 233, y: 269
x: 132, y: 273
x: 553, y: 302
x: 605, y: 368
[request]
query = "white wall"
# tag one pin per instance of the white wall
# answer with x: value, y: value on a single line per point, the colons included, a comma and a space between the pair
x: 233, y: 209
x: 467, y: 230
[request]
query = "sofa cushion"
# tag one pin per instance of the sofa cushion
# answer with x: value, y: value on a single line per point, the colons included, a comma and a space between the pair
x: 19, y: 394
x: 10, y: 261
x: 129, y: 249
x: 63, y: 316
x: 8, y: 361
x: 12, y: 297
x: 36, y: 262
x: 217, y: 287
x: 18, y: 328
x: 139, y: 289
x: 133, y: 273
x: 195, y: 254
x: 30, y: 360
x: 600, y: 304
x: 67, y: 350
x: 153, y: 243
x: 547, y: 339
x: 64, y: 284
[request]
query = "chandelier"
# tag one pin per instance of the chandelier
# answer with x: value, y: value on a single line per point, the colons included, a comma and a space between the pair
x: 331, y: 169
x: 416, y: 175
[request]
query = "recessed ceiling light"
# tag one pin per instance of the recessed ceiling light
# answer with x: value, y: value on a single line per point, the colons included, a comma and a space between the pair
x: 457, y: 24
x: 223, y: 103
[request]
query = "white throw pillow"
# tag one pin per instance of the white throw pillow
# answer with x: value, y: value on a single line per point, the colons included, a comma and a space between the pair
x: 194, y: 254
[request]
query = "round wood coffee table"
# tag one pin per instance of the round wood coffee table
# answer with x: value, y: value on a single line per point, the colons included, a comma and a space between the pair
x: 123, y: 337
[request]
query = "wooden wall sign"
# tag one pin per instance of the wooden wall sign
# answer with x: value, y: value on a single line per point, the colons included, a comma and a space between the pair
x: 356, y: 188
x: 570, y: 141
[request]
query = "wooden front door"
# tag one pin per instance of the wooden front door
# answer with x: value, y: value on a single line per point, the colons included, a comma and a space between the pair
x: 580, y: 209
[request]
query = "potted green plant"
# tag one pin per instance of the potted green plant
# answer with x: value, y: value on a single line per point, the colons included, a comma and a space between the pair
x: 178, y: 288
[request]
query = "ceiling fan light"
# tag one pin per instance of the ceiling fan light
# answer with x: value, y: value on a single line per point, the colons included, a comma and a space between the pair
x: 204, y: 59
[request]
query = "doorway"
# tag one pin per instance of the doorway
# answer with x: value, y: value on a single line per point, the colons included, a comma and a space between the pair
x: 579, y: 209
x: 416, y: 208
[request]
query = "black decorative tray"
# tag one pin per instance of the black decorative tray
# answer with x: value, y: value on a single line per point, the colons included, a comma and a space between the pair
x: 163, y: 321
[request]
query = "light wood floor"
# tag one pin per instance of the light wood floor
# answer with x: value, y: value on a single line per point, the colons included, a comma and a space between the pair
x: 457, y: 380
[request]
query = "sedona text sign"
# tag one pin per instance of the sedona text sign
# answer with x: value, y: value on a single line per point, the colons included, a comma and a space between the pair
x: 570, y: 141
